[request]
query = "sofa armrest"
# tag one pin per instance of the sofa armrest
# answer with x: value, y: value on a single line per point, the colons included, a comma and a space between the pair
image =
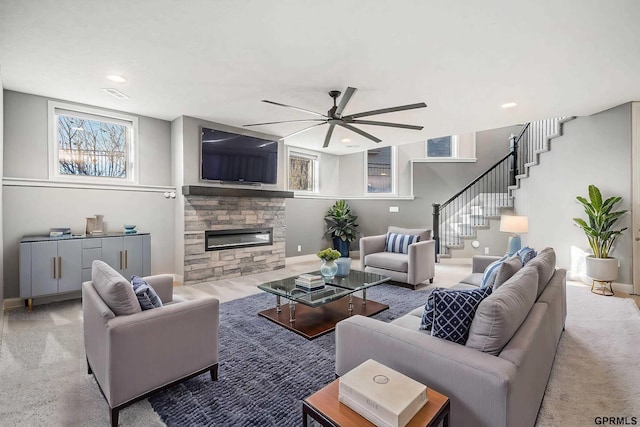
x: 370, y: 245
x: 477, y: 383
x: 422, y: 261
x: 156, y: 347
x: 481, y: 262
x: 163, y: 285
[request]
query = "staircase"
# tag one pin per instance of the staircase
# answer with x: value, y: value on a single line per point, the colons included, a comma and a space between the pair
x: 490, y: 195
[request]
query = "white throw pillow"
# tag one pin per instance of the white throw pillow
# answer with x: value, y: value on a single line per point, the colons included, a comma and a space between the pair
x: 114, y: 289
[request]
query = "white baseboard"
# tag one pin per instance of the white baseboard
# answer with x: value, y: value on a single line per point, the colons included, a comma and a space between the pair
x: 622, y: 287
x: 12, y: 303
x: 301, y: 258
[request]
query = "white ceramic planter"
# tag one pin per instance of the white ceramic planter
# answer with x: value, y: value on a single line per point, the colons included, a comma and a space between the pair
x: 603, y: 269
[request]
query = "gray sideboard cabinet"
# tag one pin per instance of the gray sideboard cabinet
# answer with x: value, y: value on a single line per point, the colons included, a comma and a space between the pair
x: 50, y: 266
x: 127, y: 255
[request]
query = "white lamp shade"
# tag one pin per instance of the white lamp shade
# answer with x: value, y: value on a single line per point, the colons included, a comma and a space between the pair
x: 514, y: 224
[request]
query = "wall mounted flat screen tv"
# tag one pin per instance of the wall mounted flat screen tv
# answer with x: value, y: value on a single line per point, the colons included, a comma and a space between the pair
x: 232, y: 157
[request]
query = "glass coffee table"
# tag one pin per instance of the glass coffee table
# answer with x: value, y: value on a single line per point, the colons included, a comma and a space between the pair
x: 318, y: 311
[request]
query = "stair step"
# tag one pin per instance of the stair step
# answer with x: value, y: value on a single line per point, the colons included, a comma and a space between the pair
x: 478, y: 213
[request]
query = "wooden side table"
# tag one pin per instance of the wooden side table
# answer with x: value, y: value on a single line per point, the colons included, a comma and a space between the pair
x: 323, y: 406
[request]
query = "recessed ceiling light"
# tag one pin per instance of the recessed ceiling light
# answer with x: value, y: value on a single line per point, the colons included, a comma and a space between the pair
x: 115, y: 93
x: 345, y: 140
x: 509, y: 105
x: 116, y: 78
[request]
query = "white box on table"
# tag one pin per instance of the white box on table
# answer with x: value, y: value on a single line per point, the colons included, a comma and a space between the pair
x: 381, y: 395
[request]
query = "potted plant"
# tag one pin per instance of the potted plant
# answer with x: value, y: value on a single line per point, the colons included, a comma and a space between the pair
x: 329, y: 268
x: 600, y: 233
x: 341, y: 226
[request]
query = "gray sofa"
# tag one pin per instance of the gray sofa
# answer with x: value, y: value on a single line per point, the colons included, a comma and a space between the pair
x: 527, y: 313
x: 132, y: 355
x: 413, y: 268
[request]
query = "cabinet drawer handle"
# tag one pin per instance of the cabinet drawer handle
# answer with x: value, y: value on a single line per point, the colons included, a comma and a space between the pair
x: 54, y: 268
x: 120, y: 260
x: 59, y: 267
x: 126, y: 259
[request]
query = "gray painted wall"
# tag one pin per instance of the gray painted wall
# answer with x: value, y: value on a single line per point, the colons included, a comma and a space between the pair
x: 305, y: 226
x: 177, y: 180
x: 594, y: 150
x: 433, y: 182
x: 1, y: 197
x: 29, y: 210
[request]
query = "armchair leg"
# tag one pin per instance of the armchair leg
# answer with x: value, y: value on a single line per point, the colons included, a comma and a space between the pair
x: 115, y: 412
x: 431, y: 280
x: 214, y: 372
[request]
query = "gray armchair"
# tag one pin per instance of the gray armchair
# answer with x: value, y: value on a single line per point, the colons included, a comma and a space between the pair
x: 413, y: 268
x: 133, y: 355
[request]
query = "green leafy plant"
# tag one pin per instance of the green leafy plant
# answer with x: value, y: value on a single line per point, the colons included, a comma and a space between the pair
x: 599, y: 230
x: 341, y: 222
x: 328, y: 254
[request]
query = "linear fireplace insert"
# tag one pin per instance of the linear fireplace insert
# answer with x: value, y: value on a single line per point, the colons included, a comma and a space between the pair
x: 218, y: 240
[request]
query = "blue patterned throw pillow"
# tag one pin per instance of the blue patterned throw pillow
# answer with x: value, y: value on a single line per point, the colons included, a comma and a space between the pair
x: 490, y: 273
x: 526, y: 254
x: 453, y: 313
x: 399, y: 243
x: 427, y: 315
x: 147, y: 296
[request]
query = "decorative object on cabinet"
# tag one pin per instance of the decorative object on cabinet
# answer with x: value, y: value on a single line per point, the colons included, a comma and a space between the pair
x: 130, y: 229
x: 90, y: 222
x: 99, y: 227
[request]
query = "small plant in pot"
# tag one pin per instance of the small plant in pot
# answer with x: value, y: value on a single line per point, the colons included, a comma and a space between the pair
x: 600, y: 233
x: 329, y: 268
x: 341, y: 226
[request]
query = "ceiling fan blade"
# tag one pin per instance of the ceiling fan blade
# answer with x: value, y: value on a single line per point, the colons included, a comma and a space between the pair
x: 361, y: 132
x: 295, y: 108
x: 345, y: 100
x: 393, y: 125
x: 285, y: 121
x: 303, y: 130
x: 386, y: 110
x: 327, y: 138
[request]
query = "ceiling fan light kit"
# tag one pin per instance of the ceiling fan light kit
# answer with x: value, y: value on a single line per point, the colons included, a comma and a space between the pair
x: 335, y: 117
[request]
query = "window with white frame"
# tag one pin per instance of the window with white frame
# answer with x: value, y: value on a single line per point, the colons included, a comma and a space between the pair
x: 452, y: 148
x: 443, y: 147
x: 380, y: 170
x: 303, y: 172
x: 90, y: 145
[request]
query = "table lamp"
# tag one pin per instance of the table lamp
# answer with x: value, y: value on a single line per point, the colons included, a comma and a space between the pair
x: 514, y: 224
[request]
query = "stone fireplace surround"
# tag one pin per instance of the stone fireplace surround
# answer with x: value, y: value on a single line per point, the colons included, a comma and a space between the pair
x: 220, y: 208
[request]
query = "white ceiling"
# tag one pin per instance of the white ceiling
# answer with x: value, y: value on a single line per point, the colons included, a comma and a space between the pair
x: 216, y: 59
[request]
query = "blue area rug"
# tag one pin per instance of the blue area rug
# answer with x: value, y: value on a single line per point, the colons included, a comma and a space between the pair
x: 265, y: 370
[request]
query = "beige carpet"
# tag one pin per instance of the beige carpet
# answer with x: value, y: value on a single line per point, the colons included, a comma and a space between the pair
x: 597, y: 367
x: 43, y: 380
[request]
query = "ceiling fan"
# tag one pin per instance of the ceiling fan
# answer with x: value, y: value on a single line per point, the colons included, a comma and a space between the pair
x: 335, y: 117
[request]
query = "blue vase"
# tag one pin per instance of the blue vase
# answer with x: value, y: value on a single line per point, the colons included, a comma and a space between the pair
x: 344, y: 266
x: 328, y: 269
x: 341, y: 246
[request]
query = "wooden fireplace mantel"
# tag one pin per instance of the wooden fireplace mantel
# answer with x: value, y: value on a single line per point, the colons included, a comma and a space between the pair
x: 201, y: 190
